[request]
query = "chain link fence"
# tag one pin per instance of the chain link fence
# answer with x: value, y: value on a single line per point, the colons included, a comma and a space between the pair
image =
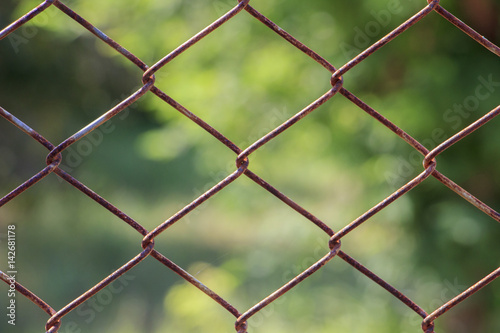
x: 243, y: 165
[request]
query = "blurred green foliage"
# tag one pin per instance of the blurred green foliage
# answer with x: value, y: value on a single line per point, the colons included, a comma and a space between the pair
x: 244, y: 80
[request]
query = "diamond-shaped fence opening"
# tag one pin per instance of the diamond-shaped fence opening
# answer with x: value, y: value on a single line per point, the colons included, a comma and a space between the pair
x: 209, y: 201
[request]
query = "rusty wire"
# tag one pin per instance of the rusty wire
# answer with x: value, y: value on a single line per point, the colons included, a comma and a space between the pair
x: 55, y: 157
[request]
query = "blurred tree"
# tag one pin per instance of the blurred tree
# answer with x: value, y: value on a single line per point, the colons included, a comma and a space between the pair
x: 244, y: 80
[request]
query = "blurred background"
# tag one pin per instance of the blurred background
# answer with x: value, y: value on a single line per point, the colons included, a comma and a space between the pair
x: 244, y: 80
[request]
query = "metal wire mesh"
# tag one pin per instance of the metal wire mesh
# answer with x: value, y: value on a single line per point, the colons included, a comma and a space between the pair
x: 243, y: 154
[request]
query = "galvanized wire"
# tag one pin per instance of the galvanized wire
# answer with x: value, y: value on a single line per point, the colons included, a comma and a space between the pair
x: 243, y: 155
